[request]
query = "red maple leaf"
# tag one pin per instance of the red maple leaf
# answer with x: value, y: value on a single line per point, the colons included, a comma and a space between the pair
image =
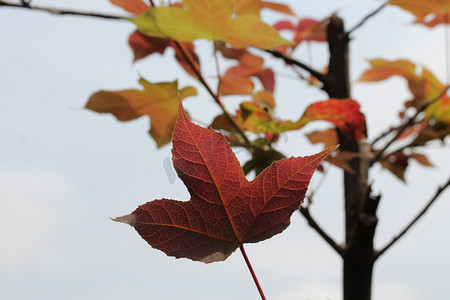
x: 225, y: 210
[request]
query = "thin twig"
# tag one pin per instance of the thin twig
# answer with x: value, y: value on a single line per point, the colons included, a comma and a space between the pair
x: 182, y: 49
x: 25, y: 3
x: 413, y: 221
x: 382, y: 135
x: 305, y: 212
x: 56, y: 11
x: 408, y: 123
x: 255, y: 279
x: 367, y: 18
x: 190, y: 60
x: 215, y: 96
x: 291, y: 61
x: 219, y: 73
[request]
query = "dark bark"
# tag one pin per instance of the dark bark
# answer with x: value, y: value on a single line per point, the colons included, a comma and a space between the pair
x: 360, y: 206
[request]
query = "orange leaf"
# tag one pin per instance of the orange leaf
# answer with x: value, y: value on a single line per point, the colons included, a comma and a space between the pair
x: 231, y: 85
x: 282, y: 8
x: 345, y: 114
x: 305, y: 30
x: 438, y: 19
x: 421, y: 159
x: 382, y: 69
x: 439, y: 10
x: 158, y: 101
x: 328, y: 137
x: 424, y: 86
x: 250, y: 65
x: 415, y: 129
x: 136, y: 7
x: 253, y: 7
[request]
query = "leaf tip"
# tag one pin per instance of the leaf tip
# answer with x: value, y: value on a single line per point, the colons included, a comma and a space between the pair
x: 332, y: 148
x: 129, y: 219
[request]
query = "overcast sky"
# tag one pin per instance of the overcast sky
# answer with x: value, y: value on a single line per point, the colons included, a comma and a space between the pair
x: 65, y: 170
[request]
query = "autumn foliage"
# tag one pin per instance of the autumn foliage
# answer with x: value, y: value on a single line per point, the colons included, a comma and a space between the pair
x: 225, y: 209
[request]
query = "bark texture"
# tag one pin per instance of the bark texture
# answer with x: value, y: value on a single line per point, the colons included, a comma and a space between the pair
x: 360, y: 205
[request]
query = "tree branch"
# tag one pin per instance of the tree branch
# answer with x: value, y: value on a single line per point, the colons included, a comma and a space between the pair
x: 408, y: 123
x: 215, y: 96
x: 364, y: 20
x: 183, y: 50
x: 291, y: 61
x: 413, y: 221
x: 311, y: 222
x: 190, y: 60
x: 27, y: 5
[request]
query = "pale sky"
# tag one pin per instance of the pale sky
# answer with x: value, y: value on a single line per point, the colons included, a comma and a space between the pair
x: 65, y: 170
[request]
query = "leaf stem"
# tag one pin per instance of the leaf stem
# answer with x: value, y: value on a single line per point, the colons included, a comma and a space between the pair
x: 191, y: 62
x: 215, y: 96
x: 255, y: 279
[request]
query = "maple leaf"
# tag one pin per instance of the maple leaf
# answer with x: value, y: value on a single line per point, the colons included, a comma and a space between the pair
x: 306, y: 30
x: 235, y: 85
x: 143, y: 45
x: 341, y: 159
x: 424, y: 85
x: 253, y: 7
x: 249, y: 65
x: 282, y: 8
x: 256, y: 117
x: 264, y: 97
x: 328, y: 137
x: 225, y: 209
x: 438, y: 10
x: 344, y: 113
x: 398, y: 162
x: 133, y: 6
x: 432, y: 131
x: 208, y: 19
x: 158, y: 101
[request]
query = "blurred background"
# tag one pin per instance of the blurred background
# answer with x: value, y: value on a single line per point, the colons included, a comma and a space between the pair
x: 65, y: 170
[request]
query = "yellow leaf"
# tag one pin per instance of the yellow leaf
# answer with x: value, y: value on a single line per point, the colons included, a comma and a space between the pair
x: 159, y: 101
x: 211, y: 20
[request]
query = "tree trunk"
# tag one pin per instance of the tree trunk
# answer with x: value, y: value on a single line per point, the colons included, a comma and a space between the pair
x: 360, y: 206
